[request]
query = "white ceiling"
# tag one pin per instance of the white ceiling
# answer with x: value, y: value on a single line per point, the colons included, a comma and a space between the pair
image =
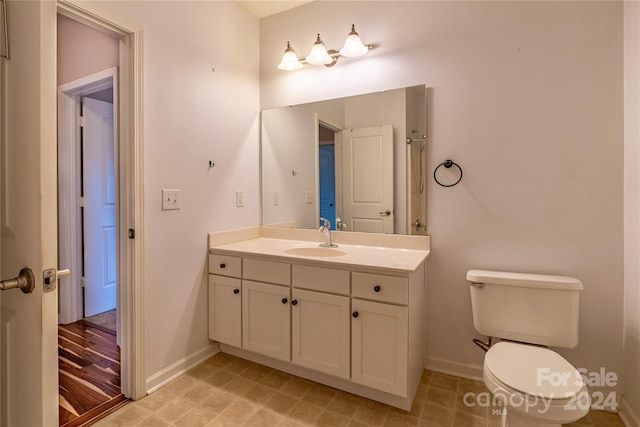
x: 263, y: 8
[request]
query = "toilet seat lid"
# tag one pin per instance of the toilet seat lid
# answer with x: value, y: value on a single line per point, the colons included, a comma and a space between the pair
x: 535, y: 371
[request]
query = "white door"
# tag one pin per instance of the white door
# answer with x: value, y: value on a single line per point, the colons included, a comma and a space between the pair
x: 100, y: 267
x: 266, y: 319
x: 320, y: 332
x: 367, y: 173
x: 379, y: 346
x: 29, y: 351
x: 225, y: 310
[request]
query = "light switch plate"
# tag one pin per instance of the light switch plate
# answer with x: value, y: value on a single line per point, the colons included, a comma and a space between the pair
x: 308, y: 196
x: 276, y: 198
x: 239, y: 199
x: 171, y: 199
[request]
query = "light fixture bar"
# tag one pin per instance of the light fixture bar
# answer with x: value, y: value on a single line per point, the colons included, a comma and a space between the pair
x: 319, y: 55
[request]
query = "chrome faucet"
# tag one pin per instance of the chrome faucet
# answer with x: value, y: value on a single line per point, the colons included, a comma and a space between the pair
x: 325, y: 228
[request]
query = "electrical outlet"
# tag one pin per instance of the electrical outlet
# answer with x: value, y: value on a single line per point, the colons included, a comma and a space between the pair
x: 308, y: 196
x: 171, y: 199
x: 276, y: 198
x: 239, y: 199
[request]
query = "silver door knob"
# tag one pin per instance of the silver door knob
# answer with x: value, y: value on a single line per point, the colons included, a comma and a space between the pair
x: 25, y: 281
x: 386, y: 213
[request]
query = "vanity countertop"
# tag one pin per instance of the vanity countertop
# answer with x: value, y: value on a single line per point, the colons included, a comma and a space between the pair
x: 347, y: 255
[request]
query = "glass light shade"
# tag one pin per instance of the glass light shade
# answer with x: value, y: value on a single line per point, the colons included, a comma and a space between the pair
x: 353, y: 46
x: 318, y: 54
x: 290, y: 60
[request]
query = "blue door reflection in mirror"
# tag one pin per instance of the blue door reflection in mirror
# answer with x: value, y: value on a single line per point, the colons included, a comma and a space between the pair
x: 327, y: 175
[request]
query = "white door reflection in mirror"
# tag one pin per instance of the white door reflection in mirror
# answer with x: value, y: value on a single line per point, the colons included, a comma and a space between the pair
x: 368, y: 179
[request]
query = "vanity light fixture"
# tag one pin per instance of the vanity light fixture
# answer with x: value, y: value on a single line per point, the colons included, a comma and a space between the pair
x: 353, y: 46
x: 290, y: 60
x: 319, y: 55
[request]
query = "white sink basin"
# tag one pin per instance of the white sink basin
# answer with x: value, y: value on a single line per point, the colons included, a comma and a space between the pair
x: 315, y: 251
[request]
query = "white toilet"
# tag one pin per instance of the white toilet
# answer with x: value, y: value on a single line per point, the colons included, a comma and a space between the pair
x: 528, y: 312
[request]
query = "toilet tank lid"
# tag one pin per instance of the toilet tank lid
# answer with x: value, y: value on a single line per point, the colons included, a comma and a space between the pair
x: 525, y: 280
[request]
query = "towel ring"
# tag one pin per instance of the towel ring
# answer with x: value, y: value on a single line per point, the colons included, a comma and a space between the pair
x: 447, y: 164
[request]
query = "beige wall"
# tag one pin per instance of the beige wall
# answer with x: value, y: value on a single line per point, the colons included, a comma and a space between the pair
x: 191, y: 115
x: 632, y: 210
x: 527, y: 98
x: 83, y: 51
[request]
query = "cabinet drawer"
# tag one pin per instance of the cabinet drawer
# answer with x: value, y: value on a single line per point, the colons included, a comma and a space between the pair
x: 321, y: 279
x: 267, y: 271
x: 380, y: 288
x: 225, y: 265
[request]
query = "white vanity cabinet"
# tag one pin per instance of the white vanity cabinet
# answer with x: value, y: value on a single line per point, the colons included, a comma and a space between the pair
x: 352, y: 327
x: 320, y: 324
x: 380, y: 331
x: 225, y: 299
x: 266, y: 313
x: 266, y: 319
x: 379, y: 349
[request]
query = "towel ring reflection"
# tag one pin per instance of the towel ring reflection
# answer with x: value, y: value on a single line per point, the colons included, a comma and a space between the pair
x: 447, y: 164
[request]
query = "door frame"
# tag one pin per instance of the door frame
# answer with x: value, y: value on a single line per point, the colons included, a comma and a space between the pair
x: 129, y: 183
x: 337, y: 153
x: 69, y: 233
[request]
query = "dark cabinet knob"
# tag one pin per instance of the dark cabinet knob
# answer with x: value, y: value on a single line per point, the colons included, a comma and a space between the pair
x: 294, y: 302
x: 355, y: 314
x: 377, y: 288
x: 223, y: 265
x: 284, y: 300
x: 236, y: 291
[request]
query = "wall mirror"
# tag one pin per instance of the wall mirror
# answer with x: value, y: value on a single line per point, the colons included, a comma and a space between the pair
x: 359, y: 162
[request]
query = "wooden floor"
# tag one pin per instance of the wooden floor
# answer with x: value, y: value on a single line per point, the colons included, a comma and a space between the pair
x: 89, y: 373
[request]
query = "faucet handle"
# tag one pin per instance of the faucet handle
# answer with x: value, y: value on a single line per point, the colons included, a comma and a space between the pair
x: 340, y: 224
x: 326, y: 223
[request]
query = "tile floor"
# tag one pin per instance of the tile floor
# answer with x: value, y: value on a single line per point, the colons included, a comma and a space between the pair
x: 228, y: 391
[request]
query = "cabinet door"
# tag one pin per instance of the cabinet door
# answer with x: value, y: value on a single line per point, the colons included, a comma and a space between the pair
x: 379, y: 346
x: 320, y: 332
x: 225, y: 304
x: 266, y: 319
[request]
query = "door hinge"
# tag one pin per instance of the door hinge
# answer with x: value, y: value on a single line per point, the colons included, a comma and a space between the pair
x: 132, y: 233
x: 82, y: 282
x: 81, y: 121
x: 81, y: 202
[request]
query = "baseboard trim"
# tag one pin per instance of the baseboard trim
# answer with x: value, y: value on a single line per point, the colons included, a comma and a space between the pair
x: 627, y: 415
x: 463, y: 370
x: 171, y: 372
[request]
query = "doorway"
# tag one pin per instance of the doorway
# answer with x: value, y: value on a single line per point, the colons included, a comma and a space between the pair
x: 88, y: 194
x: 126, y: 81
x: 327, y: 173
x: 29, y: 370
x: 89, y: 355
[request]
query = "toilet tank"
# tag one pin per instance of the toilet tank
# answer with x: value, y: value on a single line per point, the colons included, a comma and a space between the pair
x: 530, y: 308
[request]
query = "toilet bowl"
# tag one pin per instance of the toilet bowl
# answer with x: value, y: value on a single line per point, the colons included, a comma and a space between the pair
x: 528, y: 312
x: 538, y: 387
